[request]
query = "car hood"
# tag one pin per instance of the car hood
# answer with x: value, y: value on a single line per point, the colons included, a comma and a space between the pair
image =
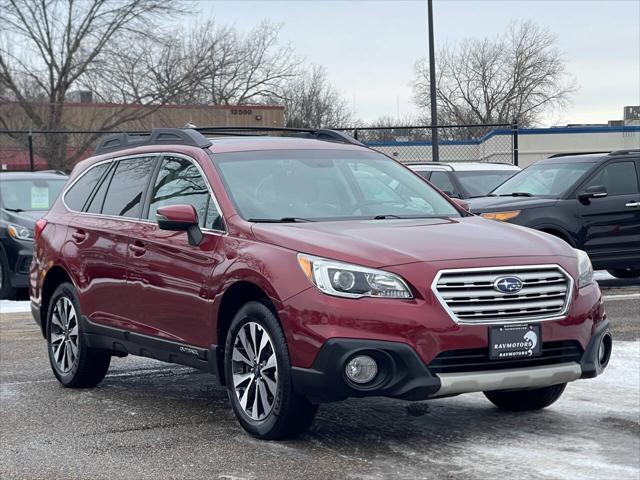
x: 494, y: 204
x: 378, y: 243
x: 24, y: 219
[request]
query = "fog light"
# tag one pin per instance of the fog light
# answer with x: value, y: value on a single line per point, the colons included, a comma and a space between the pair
x: 361, y: 369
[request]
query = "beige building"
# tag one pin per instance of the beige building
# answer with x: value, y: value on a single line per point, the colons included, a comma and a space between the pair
x: 92, y: 116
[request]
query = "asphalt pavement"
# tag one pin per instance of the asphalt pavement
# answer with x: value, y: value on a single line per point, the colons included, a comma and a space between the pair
x: 152, y: 420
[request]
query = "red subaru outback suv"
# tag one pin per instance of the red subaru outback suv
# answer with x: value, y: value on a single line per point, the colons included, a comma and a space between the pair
x: 301, y: 270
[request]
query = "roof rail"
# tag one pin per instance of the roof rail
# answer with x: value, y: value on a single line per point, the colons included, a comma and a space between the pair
x: 317, y: 133
x: 57, y: 172
x: 569, y: 154
x: 626, y: 152
x: 158, y: 136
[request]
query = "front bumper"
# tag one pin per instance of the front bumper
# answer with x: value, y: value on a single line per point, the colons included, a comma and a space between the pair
x: 402, y: 374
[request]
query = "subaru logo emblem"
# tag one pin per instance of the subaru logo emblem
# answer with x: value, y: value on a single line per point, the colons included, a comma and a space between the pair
x: 508, y: 285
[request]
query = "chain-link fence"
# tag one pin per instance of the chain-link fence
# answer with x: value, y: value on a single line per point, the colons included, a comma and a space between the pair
x: 43, y: 150
x: 457, y: 143
x: 60, y: 150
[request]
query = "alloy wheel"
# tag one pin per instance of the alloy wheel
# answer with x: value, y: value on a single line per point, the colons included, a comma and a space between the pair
x: 255, y: 370
x: 64, y: 334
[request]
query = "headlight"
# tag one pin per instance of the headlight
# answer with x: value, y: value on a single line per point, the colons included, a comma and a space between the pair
x: 502, y: 216
x: 585, y: 270
x: 19, y: 232
x: 353, y: 281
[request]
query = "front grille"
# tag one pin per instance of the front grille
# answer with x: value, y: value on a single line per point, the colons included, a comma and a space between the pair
x: 477, y: 359
x: 470, y: 297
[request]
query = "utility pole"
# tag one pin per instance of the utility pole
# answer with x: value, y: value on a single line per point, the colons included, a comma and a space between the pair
x: 435, y: 148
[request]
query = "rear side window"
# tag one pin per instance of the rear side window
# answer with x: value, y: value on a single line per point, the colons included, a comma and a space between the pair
x: 179, y: 182
x: 125, y: 193
x: 97, y: 197
x: 78, y: 194
x: 423, y: 173
x: 618, y: 178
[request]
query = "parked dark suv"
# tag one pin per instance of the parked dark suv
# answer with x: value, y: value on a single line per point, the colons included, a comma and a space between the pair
x: 24, y: 198
x: 591, y: 201
x: 270, y: 262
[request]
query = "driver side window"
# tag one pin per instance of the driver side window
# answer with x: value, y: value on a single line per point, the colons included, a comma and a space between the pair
x: 179, y: 182
x: 618, y: 178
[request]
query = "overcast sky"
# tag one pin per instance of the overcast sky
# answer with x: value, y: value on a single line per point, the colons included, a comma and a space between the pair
x: 370, y: 47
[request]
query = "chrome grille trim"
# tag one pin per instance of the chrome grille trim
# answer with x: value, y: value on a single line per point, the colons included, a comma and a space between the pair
x: 468, y: 296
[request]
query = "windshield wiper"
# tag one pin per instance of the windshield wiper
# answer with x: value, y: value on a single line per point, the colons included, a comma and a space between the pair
x: 281, y: 220
x: 16, y: 210
x: 406, y: 217
x: 516, y: 194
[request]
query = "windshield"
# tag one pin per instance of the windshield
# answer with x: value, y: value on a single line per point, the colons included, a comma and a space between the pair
x: 544, y: 179
x: 480, y: 183
x: 29, y: 195
x: 326, y: 185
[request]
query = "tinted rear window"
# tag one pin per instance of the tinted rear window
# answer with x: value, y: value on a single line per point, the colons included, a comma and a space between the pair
x: 97, y: 197
x: 126, y: 190
x: 78, y: 194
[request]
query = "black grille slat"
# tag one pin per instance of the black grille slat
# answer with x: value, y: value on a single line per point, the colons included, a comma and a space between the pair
x: 473, y: 360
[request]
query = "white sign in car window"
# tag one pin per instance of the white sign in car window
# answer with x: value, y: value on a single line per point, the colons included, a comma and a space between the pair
x: 39, y: 198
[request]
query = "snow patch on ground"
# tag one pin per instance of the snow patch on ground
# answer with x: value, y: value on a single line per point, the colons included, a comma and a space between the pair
x: 600, y: 275
x: 546, y: 451
x: 11, y: 306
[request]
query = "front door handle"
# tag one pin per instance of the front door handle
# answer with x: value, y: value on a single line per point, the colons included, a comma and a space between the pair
x: 633, y: 204
x: 137, y: 249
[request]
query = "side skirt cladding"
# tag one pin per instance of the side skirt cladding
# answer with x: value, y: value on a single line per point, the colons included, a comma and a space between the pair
x: 122, y: 342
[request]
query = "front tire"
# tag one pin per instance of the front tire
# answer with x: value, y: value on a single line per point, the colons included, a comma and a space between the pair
x: 258, y: 377
x: 74, y: 364
x: 526, y: 400
x: 623, y: 273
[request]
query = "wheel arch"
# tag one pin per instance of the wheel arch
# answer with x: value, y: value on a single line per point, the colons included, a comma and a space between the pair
x: 55, y: 276
x: 234, y: 297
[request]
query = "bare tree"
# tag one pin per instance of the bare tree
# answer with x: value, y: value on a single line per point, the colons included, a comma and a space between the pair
x: 311, y: 101
x: 392, y: 129
x: 238, y: 68
x: 519, y: 75
x: 51, y: 47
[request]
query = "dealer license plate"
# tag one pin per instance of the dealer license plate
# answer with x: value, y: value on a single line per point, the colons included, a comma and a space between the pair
x: 514, y: 341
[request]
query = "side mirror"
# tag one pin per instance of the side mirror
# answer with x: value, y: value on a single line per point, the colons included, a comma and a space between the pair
x: 179, y: 218
x: 595, y: 191
x: 462, y: 204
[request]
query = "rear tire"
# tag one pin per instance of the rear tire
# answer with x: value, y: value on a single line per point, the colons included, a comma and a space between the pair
x: 525, y: 400
x: 622, y: 273
x: 7, y: 292
x: 258, y: 377
x: 74, y: 364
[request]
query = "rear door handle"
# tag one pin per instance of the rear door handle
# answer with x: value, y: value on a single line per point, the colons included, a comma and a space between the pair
x: 79, y: 236
x: 632, y: 204
x: 137, y: 249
